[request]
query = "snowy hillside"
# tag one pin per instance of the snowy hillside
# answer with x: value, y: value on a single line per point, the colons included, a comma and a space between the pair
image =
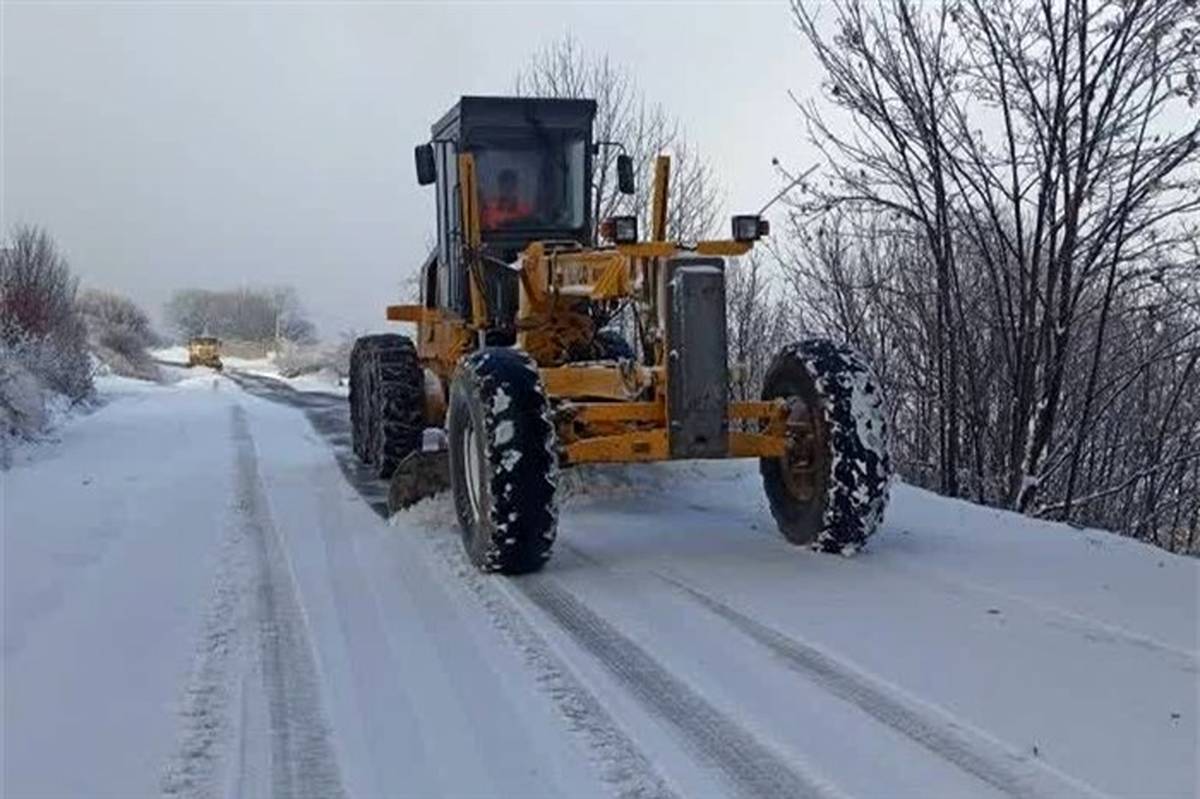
x: 201, y: 598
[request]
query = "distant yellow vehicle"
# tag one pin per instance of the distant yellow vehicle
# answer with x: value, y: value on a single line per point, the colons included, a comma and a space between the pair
x: 204, y: 351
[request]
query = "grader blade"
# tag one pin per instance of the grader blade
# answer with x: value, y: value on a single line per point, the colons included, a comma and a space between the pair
x: 419, y: 476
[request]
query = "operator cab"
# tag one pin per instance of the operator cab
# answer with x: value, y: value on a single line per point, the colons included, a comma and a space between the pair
x: 533, y: 167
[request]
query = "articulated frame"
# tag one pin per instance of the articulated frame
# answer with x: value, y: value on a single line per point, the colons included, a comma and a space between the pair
x: 606, y: 411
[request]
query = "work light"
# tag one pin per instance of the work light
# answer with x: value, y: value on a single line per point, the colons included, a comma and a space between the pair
x: 621, y: 229
x: 750, y: 227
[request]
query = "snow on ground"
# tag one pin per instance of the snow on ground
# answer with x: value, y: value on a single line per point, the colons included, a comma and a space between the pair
x: 200, y: 598
x: 175, y: 354
x: 110, y: 539
x: 324, y: 381
x: 1069, y: 655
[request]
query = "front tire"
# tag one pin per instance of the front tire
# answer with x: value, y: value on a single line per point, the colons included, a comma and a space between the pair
x: 829, y: 492
x: 503, y: 468
x: 387, y: 401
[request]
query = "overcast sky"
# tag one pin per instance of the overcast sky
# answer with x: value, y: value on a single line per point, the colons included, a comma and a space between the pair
x: 210, y: 144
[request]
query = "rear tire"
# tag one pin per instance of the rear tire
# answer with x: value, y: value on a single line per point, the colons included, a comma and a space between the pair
x: 387, y: 401
x: 830, y: 491
x: 503, y: 467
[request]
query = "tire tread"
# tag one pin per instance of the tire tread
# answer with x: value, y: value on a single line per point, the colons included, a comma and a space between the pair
x: 860, y: 467
x: 387, y: 402
x: 520, y: 447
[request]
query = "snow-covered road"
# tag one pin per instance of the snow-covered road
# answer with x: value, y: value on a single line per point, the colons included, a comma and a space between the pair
x: 202, y: 597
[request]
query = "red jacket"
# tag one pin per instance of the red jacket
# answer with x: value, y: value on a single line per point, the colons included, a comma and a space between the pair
x: 499, y: 213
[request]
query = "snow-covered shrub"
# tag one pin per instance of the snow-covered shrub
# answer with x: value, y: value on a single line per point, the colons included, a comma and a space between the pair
x: 59, y: 361
x: 111, y: 314
x: 294, y: 360
x: 117, y: 362
x: 22, y: 398
x: 39, y: 318
x: 339, y: 361
x: 120, y: 334
x: 43, y: 338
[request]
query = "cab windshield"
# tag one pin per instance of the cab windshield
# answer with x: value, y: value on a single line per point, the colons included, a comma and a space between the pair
x: 531, y: 182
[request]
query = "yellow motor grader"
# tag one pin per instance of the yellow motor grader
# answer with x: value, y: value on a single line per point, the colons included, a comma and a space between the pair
x: 204, y: 351
x: 517, y: 363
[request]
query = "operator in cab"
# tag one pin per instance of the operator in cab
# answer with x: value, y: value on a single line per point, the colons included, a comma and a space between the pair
x: 505, y: 207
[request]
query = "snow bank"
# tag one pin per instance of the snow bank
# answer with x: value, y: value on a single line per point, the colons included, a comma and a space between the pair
x: 29, y: 407
x: 22, y: 399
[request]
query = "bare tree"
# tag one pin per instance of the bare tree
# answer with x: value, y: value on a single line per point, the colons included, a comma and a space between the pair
x: 644, y: 128
x: 1034, y: 166
x: 37, y: 289
x: 247, y: 314
x: 291, y: 322
x: 758, y: 325
x: 889, y: 71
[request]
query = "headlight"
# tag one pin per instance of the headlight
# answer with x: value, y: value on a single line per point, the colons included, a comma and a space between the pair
x: 620, y: 229
x: 750, y: 228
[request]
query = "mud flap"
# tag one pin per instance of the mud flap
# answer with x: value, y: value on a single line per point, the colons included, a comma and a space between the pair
x: 418, y: 476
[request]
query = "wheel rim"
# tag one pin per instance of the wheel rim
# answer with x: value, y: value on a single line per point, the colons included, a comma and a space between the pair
x: 805, y: 459
x: 472, y: 468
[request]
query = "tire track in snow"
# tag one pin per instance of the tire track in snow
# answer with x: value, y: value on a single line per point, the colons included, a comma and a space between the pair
x: 212, y: 686
x: 329, y: 415
x: 620, y: 763
x: 302, y: 759
x: 970, y: 749
x: 752, y: 769
x: 618, y: 759
x: 750, y: 766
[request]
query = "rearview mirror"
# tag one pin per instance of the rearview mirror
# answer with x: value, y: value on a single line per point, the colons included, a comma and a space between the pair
x: 426, y: 168
x: 625, y: 174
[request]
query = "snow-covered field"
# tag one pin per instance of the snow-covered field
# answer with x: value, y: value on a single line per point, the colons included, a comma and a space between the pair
x: 200, y: 598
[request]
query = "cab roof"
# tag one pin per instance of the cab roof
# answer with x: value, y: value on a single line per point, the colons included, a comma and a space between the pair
x: 473, y: 111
